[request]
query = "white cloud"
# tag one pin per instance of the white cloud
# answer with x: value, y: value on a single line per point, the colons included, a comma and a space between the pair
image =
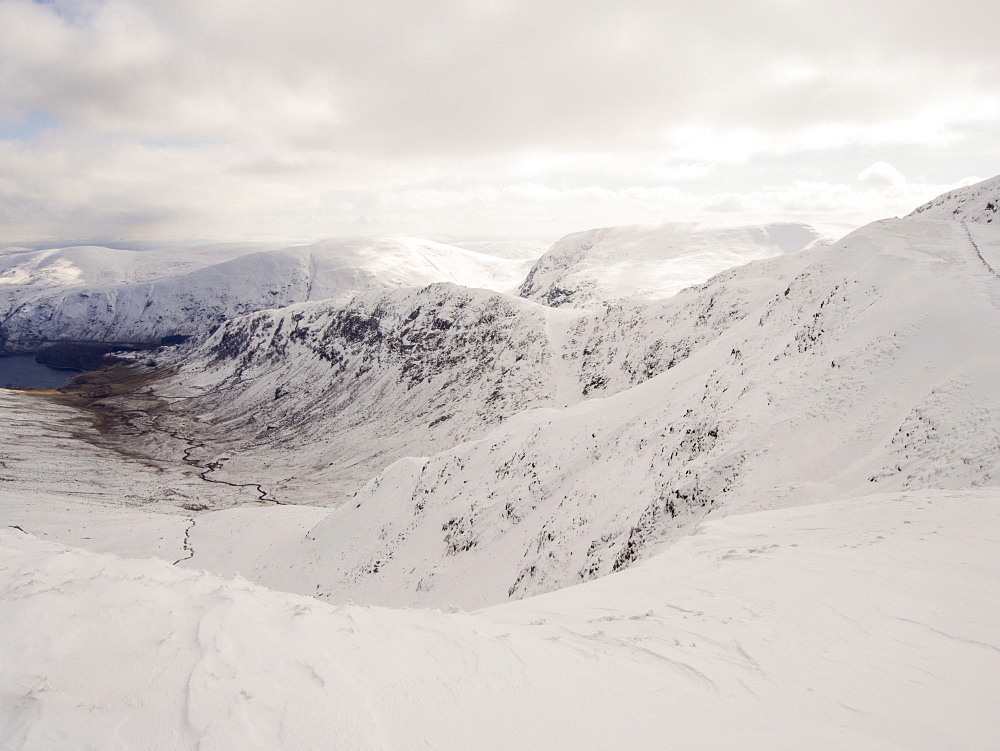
x: 881, y: 175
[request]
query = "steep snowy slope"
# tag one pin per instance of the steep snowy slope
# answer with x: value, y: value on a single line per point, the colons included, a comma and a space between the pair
x: 864, y: 367
x: 119, y: 295
x: 978, y: 203
x: 651, y: 263
x: 315, y: 399
x: 868, y: 623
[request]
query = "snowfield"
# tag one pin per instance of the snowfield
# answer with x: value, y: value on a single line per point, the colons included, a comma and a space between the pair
x: 866, y: 623
x: 431, y: 499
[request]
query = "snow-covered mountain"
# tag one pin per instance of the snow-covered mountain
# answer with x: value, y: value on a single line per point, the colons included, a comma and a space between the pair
x: 521, y: 250
x: 556, y: 445
x: 411, y: 372
x: 652, y: 262
x: 104, y: 294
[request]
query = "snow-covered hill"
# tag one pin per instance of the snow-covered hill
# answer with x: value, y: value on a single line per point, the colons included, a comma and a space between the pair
x: 103, y: 294
x: 521, y: 250
x: 651, y: 262
x: 409, y: 372
x: 318, y: 397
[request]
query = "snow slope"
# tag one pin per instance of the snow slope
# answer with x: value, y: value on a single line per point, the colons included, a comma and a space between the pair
x: 103, y: 294
x: 864, y: 623
x: 522, y: 250
x: 651, y: 262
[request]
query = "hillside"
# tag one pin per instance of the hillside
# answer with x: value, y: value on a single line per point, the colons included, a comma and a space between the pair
x: 412, y: 372
x: 978, y: 203
x: 407, y: 372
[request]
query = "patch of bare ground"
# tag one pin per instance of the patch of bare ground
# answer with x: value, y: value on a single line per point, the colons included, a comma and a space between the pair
x: 117, y: 400
x: 129, y: 418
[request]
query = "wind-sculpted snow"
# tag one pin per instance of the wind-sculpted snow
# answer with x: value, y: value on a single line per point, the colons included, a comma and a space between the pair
x: 864, y: 367
x: 978, y: 203
x: 864, y: 623
x: 651, y: 263
x: 102, y: 294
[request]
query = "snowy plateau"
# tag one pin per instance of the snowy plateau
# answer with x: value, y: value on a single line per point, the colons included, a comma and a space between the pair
x: 657, y: 487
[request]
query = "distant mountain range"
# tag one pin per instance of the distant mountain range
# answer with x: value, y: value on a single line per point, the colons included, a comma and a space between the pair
x: 104, y: 294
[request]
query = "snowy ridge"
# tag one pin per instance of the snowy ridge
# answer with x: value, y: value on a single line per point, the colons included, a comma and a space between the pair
x: 651, y: 263
x: 101, y: 294
x: 749, y: 633
x: 978, y: 203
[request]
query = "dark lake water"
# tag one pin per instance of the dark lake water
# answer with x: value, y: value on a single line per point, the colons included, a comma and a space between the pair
x: 22, y: 372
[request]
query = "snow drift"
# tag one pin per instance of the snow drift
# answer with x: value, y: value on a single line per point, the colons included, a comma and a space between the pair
x: 864, y: 623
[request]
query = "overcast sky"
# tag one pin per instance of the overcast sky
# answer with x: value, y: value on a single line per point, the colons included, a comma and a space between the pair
x: 150, y: 120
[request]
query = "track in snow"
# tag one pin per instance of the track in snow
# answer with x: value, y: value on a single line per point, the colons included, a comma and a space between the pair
x: 979, y: 253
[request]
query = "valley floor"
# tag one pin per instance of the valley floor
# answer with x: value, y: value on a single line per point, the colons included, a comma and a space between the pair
x: 860, y: 623
x: 60, y: 482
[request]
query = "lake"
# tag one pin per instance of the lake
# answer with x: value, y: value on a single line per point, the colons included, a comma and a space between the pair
x: 22, y: 372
